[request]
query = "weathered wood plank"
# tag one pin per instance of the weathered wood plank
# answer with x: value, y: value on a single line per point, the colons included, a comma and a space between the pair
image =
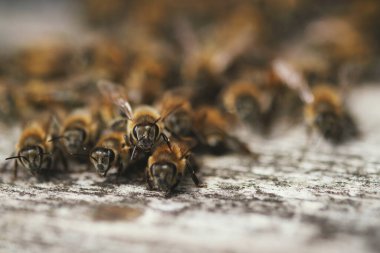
x: 289, y: 201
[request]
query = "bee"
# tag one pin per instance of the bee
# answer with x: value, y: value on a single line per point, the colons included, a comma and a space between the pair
x: 167, y: 166
x: 212, y: 132
x: 206, y: 61
x: 320, y: 52
x: 78, y: 132
x: 33, y: 150
x: 103, y: 58
x: 110, y: 151
x: 260, y: 99
x: 145, y: 129
x: 97, y: 13
x: 144, y: 125
x: 145, y: 80
x: 179, y: 123
x: 247, y: 102
x: 43, y: 94
x: 109, y: 116
x: 324, y: 109
x: 47, y: 59
x: 9, y: 103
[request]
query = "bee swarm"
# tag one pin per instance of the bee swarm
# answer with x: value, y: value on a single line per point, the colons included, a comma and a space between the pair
x: 156, y: 113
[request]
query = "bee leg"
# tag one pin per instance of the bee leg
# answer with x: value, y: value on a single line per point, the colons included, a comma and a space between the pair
x: 49, y: 163
x: 119, y: 171
x: 168, y: 193
x: 148, y: 181
x: 5, y: 166
x: 45, y: 176
x: 309, y: 142
x: 134, y: 153
x: 236, y: 145
x: 193, y: 175
x: 63, y: 159
x: 15, y: 170
x: 64, y: 163
x: 166, y: 139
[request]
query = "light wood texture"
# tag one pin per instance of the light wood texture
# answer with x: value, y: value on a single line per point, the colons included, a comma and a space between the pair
x: 322, y: 200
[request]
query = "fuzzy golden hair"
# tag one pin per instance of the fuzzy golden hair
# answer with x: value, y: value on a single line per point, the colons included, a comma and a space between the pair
x: 238, y: 89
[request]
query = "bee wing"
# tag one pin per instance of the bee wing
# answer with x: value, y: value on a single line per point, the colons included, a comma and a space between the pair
x: 109, y: 91
x: 235, y: 47
x: 186, y: 37
x: 165, y: 113
x: 125, y: 108
x: 293, y: 79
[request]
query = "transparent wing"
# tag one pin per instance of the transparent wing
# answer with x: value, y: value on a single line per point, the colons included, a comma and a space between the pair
x: 110, y: 91
x: 293, y: 79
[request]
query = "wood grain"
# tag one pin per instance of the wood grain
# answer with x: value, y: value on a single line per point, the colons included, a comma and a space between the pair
x: 321, y: 199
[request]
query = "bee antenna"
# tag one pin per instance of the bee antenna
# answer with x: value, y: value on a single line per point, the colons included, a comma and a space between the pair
x: 15, y: 157
x: 187, y: 151
x: 175, y: 108
x: 155, y: 122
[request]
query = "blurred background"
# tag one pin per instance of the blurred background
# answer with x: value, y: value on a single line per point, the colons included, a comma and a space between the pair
x: 51, y: 53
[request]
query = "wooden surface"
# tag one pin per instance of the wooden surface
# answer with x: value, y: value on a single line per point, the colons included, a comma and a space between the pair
x: 322, y: 200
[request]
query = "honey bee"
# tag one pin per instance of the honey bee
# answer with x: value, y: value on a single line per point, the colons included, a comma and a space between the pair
x: 144, y: 126
x: 212, y: 131
x: 324, y: 109
x: 145, y: 129
x: 259, y: 99
x: 179, y: 123
x: 46, y: 59
x: 33, y: 150
x: 8, y: 103
x: 78, y: 132
x: 47, y: 95
x: 246, y: 101
x: 167, y: 166
x: 206, y: 61
x: 110, y: 151
x: 98, y: 13
x: 104, y: 58
x: 109, y: 116
x: 145, y: 81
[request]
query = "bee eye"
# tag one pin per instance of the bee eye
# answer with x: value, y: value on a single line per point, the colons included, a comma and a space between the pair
x: 156, y: 131
x: 138, y: 132
x: 111, y: 156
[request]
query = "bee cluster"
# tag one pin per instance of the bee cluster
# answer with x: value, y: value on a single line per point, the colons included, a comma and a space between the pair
x: 152, y: 82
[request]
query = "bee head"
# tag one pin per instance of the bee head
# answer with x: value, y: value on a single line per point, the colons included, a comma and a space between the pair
x: 330, y: 126
x: 145, y: 135
x: 102, y: 159
x: 179, y: 123
x: 247, y: 109
x: 163, y: 175
x: 73, y: 140
x: 31, y: 157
